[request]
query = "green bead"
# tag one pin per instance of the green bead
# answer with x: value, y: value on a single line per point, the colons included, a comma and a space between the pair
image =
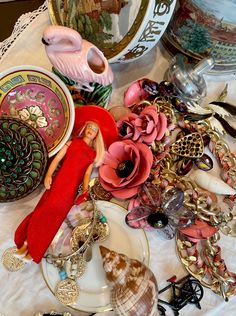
x: 7, y: 138
x: 103, y: 219
x: 8, y: 180
x: 8, y: 163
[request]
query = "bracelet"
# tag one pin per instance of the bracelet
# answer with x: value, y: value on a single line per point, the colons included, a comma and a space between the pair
x: 72, y: 266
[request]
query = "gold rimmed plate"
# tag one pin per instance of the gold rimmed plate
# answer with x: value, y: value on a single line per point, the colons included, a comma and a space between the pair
x: 94, y: 290
x: 39, y: 98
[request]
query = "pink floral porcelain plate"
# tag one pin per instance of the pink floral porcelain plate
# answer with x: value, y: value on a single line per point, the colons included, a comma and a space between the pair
x: 39, y: 98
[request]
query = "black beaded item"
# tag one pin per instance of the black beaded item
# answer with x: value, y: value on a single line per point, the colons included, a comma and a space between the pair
x: 23, y: 159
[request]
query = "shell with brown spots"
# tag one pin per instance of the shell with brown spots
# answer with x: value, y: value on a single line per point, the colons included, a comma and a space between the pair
x: 134, y: 291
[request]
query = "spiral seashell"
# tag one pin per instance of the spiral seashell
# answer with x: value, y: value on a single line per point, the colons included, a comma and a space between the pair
x: 134, y: 291
x: 211, y: 183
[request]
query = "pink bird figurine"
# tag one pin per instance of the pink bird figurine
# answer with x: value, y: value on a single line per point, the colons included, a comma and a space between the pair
x: 76, y: 58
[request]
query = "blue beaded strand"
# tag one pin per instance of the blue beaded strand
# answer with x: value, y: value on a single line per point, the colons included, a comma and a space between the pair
x: 63, y: 274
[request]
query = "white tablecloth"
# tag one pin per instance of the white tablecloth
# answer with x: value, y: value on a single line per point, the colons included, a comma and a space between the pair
x: 25, y: 293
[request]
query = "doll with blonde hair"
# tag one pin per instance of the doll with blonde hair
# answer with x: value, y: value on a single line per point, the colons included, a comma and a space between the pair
x: 93, y: 127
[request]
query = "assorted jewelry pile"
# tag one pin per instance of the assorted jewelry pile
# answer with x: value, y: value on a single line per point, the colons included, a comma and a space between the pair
x: 179, y: 198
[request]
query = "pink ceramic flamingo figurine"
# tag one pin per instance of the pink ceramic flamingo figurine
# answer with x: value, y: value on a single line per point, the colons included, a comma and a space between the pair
x: 76, y: 58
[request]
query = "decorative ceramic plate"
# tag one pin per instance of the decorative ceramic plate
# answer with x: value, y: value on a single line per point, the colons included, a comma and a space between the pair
x: 199, y: 30
x: 124, y: 30
x: 94, y: 291
x: 41, y: 99
x: 23, y: 159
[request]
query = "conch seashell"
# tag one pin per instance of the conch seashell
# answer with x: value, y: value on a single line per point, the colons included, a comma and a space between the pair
x: 211, y: 183
x: 134, y: 291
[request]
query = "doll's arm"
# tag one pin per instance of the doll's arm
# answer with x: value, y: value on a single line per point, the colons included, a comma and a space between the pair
x: 84, y: 196
x: 87, y: 178
x: 54, y: 164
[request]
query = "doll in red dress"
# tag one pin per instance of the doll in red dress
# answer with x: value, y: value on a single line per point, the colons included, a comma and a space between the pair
x: 35, y: 233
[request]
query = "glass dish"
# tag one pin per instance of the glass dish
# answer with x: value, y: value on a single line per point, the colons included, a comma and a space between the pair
x: 94, y: 290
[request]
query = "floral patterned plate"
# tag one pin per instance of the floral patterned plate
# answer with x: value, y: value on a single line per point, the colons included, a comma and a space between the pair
x: 39, y: 98
x: 23, y: 159
x: 123, y: 30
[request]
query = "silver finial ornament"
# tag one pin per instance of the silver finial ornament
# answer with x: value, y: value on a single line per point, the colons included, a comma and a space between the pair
x: 187, y: 79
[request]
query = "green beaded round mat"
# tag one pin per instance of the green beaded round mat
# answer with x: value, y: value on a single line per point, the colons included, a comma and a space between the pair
x: 23, y: 159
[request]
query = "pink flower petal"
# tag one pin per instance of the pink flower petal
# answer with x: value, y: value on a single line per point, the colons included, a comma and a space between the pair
x: 125, y: 193
x: 117, y: 151
x: 136, y: 135
x: 162, y: 126
x: 133, y: 203
x: 138, y: 122
x: 133, y: 93
x: 107, y: 186
x: 133, y: 154
x: 150, y: 127
x: 146, y: 160
x: 135, y: 158
x: 148, y: 139
x: 109, y: 175
x: 147, y: 153
x: 151, y: 112
x: 111, y: 160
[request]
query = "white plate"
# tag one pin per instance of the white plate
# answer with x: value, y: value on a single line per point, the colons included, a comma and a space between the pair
x: 94, y: 291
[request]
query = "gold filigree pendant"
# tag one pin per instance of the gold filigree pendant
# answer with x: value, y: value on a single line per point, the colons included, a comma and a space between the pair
x: 79, y: 234
x: 101, y: 232
x: 10, y: 262
x: 67, y: 291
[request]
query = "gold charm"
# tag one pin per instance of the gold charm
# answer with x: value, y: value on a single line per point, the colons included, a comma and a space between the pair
x: 67, y: 291
x: 80, y: 235
x: 190, y: 146
x: 10, y: 262
x: 100, y: 193
x: 101, y: 232
x: 75, y: 266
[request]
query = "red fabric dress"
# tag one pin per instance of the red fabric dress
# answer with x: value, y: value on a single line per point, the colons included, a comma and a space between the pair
x: 40, y: 226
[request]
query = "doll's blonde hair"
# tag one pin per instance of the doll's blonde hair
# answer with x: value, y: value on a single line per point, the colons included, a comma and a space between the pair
x: 98, y: 144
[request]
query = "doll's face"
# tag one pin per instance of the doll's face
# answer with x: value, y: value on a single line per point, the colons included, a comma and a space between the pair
x: 91, y: 130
